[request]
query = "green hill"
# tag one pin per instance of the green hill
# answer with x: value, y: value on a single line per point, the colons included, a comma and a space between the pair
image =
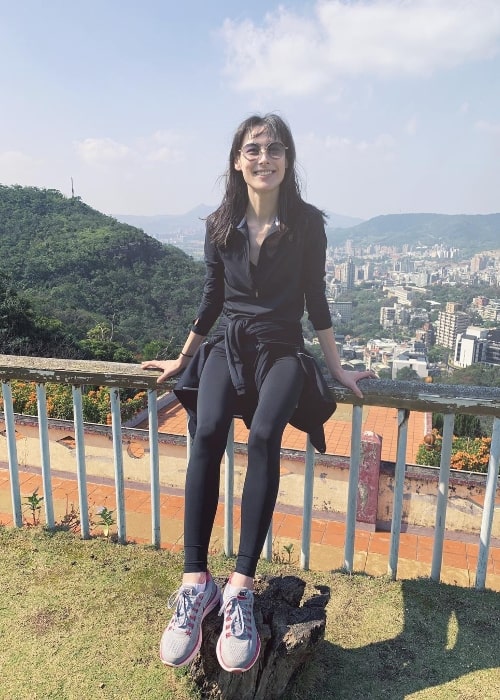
x: 84, y: 268
x: 471, y: 233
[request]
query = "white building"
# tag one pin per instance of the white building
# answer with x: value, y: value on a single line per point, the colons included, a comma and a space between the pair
x: 415, y: 361
x: 471, y: 346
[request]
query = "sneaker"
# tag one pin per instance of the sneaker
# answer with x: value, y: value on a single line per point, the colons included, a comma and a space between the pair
x: 181, y: 639
x: 238, y: 646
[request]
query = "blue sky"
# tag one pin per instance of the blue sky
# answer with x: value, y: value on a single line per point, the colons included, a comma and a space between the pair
x: 394, y: 104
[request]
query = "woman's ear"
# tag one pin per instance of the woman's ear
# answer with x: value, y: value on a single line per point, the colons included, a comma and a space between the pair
x: 237, y: 163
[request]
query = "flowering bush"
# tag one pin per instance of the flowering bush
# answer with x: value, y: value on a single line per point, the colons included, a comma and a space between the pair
x: 96, y: 402
x: 470, y: 454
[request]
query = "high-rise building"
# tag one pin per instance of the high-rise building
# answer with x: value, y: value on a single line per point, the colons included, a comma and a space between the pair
x: 449, y: 325
x: 342, y: 309
x: 493, y: 349
x: 470, y: 347
x: 478, y: 262
x: 347, y: 274
x: 368, y: 270
x: 387, y: 316
x: 477, y: 345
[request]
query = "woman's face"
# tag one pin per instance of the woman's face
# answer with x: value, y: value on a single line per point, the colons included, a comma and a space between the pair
x: 262, y: 165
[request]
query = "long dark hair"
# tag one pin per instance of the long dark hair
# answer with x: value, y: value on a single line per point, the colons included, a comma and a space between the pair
x: 235, y: 201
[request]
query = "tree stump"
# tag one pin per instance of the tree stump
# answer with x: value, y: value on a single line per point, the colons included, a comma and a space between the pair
x: 290, y: 628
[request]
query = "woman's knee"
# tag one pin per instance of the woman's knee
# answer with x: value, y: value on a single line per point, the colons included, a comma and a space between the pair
x: 212, y: 433
x: 264, y: 437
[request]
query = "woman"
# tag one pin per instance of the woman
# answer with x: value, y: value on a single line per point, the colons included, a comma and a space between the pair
x: 265, y: 256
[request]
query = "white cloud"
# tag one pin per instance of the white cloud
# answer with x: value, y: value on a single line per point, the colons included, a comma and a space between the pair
x: 277, y: 55
x: 160, y: 147
x: 165, y: 147
x: 488, y: 127
x: 384, y: 145
x: 102, y: 151
x: 294, y: 54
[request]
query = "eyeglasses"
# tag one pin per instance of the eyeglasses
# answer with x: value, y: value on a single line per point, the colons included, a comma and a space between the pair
x: 275, y: 150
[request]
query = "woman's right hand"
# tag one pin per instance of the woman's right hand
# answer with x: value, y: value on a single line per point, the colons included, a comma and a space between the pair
x: 169, y: 368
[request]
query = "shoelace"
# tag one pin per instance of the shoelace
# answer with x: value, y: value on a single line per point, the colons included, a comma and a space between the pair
x: 237, y: 617
x: 187, y: 603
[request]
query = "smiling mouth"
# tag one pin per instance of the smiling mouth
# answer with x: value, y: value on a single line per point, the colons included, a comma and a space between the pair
x: 264, y: 172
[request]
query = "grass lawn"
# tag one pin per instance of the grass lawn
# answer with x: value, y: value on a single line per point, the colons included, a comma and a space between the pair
x: 82, y: 620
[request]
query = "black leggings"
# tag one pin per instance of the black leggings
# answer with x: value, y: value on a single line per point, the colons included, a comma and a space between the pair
x: 216, y: 406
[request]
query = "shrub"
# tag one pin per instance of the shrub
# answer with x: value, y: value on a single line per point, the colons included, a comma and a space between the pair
x: 469, y: 454
x: 96, y: 402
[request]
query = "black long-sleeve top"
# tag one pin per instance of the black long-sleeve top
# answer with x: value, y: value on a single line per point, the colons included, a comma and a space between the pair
x: 289, y: 276
x: 263, y: 304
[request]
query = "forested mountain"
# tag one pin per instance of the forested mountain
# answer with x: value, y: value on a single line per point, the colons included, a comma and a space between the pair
x: 471, y: 233
x: 69, y: 262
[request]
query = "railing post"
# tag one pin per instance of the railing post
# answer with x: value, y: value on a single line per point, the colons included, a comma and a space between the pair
x: 442, y: 496
x: 154, y: 467
x: 399, y: 483
x: 307, y: 506
x: 116, y: 429
x: 229, y: 492
x: 489, y: 506
x: 267, y: 549
x: 80, y: 461
x: 352, y: 493
x: 10, y: 428
x: 368, y: 484
x: 43, y: 429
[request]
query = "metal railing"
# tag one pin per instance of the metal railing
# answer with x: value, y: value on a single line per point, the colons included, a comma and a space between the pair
x: 405, y: 396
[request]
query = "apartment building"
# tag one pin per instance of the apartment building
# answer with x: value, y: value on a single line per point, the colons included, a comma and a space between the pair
x: 449, y: 324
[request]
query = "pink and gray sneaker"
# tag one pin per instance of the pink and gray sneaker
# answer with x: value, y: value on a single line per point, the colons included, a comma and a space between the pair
x: 181, y: 639
x: 238, y: 646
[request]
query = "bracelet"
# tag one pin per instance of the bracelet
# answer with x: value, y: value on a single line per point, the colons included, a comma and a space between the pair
x: 184, y: 354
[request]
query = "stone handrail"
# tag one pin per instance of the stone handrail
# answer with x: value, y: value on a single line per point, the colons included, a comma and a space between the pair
x: 410, y: 395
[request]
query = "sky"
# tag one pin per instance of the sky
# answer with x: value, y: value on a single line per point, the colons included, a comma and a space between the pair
x: 394, y: 105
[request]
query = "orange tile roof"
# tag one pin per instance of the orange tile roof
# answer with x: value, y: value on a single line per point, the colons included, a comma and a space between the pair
x: 378, y: 419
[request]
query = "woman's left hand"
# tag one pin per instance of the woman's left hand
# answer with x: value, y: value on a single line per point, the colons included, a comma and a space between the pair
x: 350, y: 379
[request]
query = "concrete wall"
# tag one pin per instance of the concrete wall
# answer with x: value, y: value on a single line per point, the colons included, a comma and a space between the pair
x: 465, y: 501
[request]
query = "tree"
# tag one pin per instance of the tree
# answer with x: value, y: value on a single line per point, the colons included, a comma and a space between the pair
x: 22, y: 332
x: 408, y: 374
x: 437, y: 353
x: 100, y: 345
x: 385, y: 373
x: 465, y: 425
x: 476, y: 374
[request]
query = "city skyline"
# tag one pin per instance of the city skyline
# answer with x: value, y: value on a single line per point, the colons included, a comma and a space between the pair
x: 394, y: 105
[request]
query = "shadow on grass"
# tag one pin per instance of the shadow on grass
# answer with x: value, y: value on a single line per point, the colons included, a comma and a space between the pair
x: 448, y: 632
